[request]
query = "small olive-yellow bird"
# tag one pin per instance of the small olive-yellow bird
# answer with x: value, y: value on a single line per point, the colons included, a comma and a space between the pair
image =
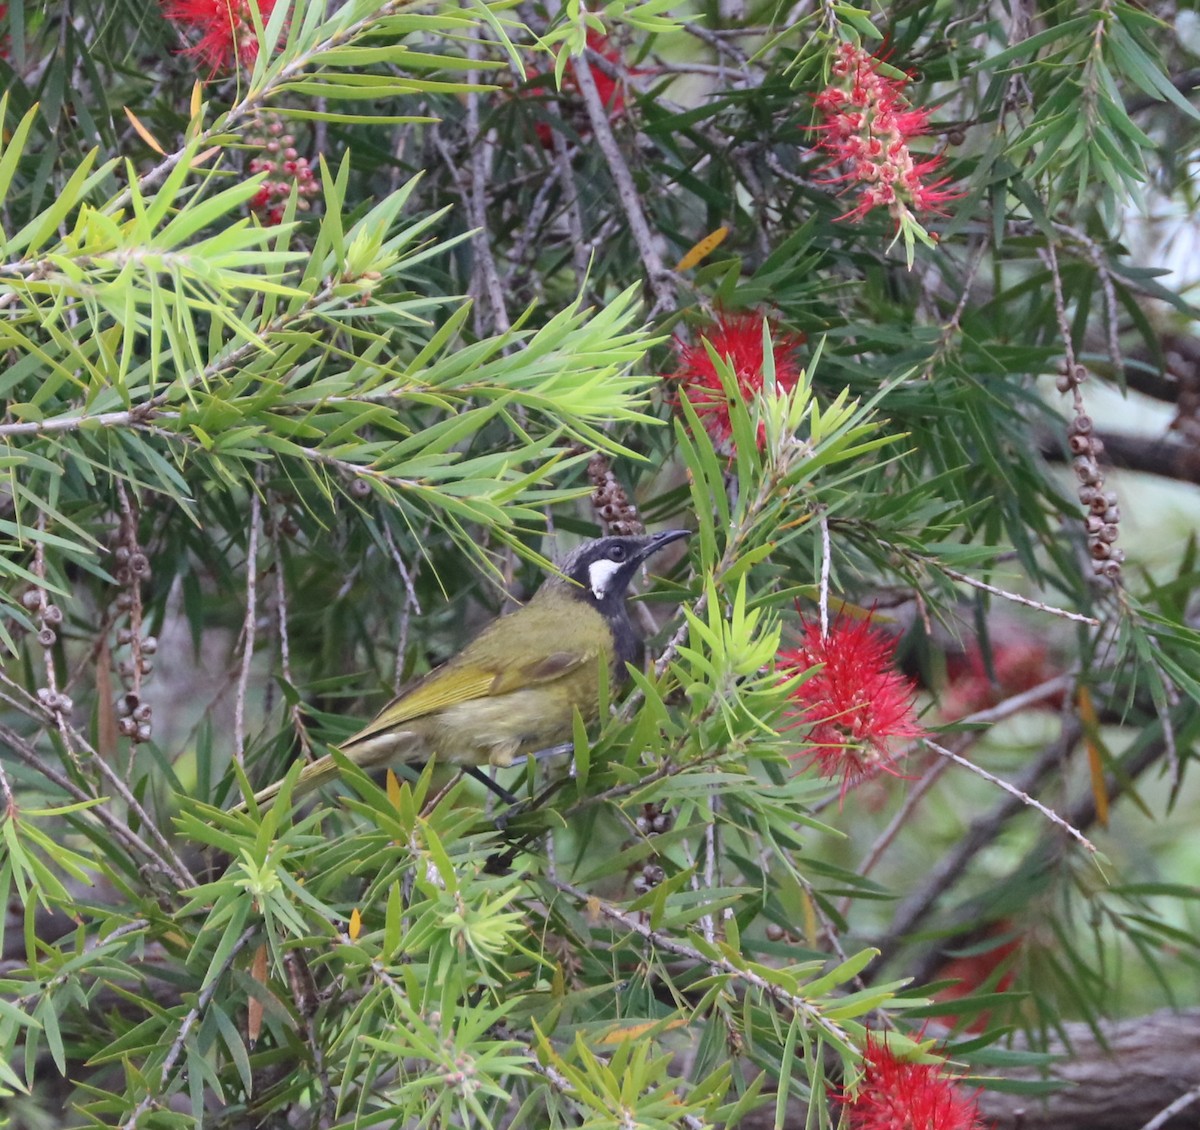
x: 515, y: 687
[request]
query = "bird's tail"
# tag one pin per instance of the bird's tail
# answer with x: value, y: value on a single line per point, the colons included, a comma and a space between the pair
x: 368, y: 754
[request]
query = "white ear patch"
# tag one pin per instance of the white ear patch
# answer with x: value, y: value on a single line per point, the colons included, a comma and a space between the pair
x: 600, y: 575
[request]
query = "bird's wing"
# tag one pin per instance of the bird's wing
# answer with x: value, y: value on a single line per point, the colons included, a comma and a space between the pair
x: 457, y: 683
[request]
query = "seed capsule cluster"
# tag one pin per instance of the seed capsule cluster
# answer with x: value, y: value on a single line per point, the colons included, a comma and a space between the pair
x: 1101, y: 524
x: 654, y: 820
x: 651, y: 875
x: 617, y: 515
x: 49, y: 615
x: 132, y: 570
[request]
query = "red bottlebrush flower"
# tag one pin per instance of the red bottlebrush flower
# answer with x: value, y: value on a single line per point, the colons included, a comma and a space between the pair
x: 1015, y: 668
x: 855, y: 706
x: 894, y: 1094
x: 226, y: 29
x: 982, y: 967
x: 610, y: 88
x: 739, y: 339
x: 866, y: 128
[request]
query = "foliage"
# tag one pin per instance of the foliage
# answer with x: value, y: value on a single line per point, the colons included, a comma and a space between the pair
x: 256, y: 472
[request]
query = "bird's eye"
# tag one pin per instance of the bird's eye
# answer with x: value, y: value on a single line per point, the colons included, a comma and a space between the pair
x: 616, y: 553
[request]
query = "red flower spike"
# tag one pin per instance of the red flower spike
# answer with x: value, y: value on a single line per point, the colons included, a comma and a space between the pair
x: 739, y: 339
x: 226, y: 29
x: 866, y: 128
x: 610, y: 89
x: 894, y: 1094
x: 855, y: 706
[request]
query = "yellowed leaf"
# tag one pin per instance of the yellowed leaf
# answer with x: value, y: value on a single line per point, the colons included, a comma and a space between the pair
x: 637, y: 1031
x: 355, y: 925
x: 254, y: 1008
x: 703, y: 249
x: 393, y: 789
x: 1091, y: 741
x: 106, y: 714
x: 811, y: 929
x: 143, y: 132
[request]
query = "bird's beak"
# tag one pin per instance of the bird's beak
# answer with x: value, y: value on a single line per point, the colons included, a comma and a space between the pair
x: 655, y: 542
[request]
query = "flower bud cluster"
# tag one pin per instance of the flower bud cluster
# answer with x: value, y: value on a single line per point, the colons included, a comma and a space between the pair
x: 617, y: 514
x: 284, y: 167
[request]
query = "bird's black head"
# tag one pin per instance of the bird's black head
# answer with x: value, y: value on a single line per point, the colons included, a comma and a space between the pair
x: 602, y: 569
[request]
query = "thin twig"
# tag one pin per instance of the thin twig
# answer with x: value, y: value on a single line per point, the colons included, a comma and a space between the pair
x: 826, y: 559
x: 408, y: 605
x: 1013, y: 597
x: 660, y: 280
x: 580, y: 256
x: 248, y: 628
x: 1024, y: 797
x: 797, y: 1004
x: 120, y: 830
x: 180, y: 872
x: 885, y: 838
x: 983, y: 831
x: 189, y: 1021
x: 480, y: 150
x: 1111, y: 310
x: 1168, y: 1112
x: 281, y: 623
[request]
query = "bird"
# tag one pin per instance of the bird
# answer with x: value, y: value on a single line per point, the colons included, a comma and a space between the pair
x: 514, y: 689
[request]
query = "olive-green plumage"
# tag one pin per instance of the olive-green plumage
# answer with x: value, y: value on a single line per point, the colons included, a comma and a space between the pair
x: 515, y: 687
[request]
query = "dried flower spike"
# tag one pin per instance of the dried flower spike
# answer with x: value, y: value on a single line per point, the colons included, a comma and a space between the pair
x: 866, y: 129
x: 855, y: 706
x: 738, y: 338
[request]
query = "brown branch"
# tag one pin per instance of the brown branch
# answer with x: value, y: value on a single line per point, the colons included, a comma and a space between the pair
x: 1166, y: 458
x: 1185, y: 83
x: 1120, y: 1078
x: 950, y: 868
x: 660, y: 281
x: 1124, y: 1076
